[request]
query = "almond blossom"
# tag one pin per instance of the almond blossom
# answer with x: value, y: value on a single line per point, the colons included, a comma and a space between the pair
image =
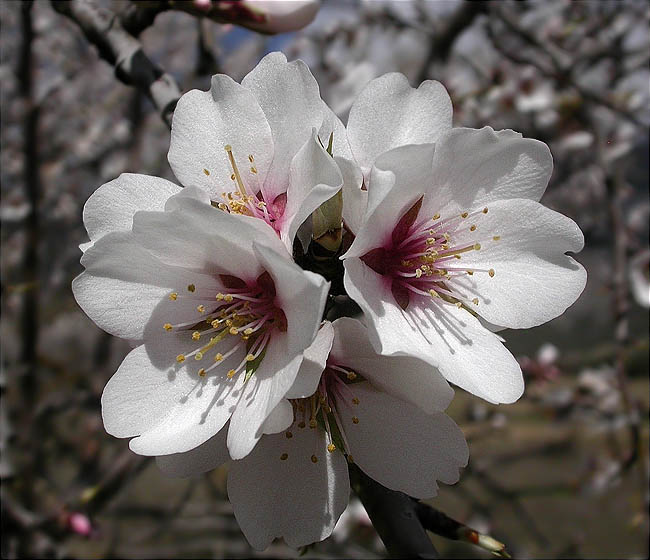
x: 219, y: 313
x: 261, y: 148
x: 295, y: 483
x: 453, y: 245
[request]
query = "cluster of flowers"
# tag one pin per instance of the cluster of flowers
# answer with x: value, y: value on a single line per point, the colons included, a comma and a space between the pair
x: 446, y: 243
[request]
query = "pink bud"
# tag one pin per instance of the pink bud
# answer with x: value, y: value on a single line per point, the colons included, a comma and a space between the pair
x: 80, y: 524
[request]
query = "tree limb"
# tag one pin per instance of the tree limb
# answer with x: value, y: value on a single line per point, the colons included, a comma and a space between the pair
x: 115, y: 45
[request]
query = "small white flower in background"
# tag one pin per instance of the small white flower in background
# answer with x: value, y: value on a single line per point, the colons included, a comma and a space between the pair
x: 295, y: 483
x: 220, y: 314
x: 453, y: 243
x: 260, y: 148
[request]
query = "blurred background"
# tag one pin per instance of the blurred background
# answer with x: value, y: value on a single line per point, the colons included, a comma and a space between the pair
x: 562, y: 473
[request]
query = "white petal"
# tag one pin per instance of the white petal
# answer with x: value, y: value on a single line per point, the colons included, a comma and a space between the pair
x: 165, y: 402
x: 403, y: 377
x: 123, y: 284
x: 474, y: 167
x: 534, y: 280
x: 290, y: 99
x: 199, y: 460
x: 260, y: 395
x: 293, y: 498
x: 449, y: 338
x: 314, y: 178
x: 400, y: 446
x: 204, y: 123
x: 389, y: 113
x: 111, y: 207
x: 280, y: 418
x: 202, y: 238
x: 315, y: 359
x: 355, y: 199
x: 399, y: 178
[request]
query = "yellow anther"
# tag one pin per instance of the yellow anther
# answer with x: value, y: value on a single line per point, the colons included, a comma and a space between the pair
x: 331, y: 447
x: 475, y: 301
x: 167, y: 327
x: 218, y: 357
x: 198, y: 356
x: 457, y: 257
x: 436, y: 216
x: 314, y: 459
x: 248, y: 331
x: 233, y: 330
x: 206, y: 172
x: 355, y: 400
x: 289, y: 435
x: 202, y: 372
x: 191, y: 288
x: 431, y: 241
x: 200, y: 308
x: 470, y: 272
x: 464, y: 215
x: 250, y: 357
x: 222, y: 206
x: 233, y: 177
x: 312, y: 423
x: 446, y: 236
x: 476, y: 246
x: 231, y: 374
x: 351, y: 375
x: 472, y: 228
x: 228, y: 322
x: 284, y: 457
x: 219, y: 296
x: 433, y: 293
x: 215, y: 323
x: 355, y: 420
x: 227, y: 298
x: 491, y: 273
x: 418, y: 273
x: 253, y: 169
x: 196, y: 335
x: 173, y: 296
x: 485, y: 210
x: 458, y: 304
x: 180, y: 358
x: 496, y: 237
x: 251, y: 158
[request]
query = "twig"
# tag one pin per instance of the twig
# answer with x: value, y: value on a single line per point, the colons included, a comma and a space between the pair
x: 394, y: 516
x: 120, y: 49
x: 442, y: 41
x: 441, y: 524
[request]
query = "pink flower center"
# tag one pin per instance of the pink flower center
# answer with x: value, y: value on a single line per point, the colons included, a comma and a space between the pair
x: 246, y: 313
x: 241, y: 201
x: 422, y: 259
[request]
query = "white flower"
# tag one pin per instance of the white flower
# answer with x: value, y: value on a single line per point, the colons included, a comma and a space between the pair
x: 220, y: 314
x: 453, y: 243
x: 259, y: 148
x: 295, y: 483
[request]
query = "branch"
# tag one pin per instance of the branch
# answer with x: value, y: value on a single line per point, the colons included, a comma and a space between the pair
x: 394, y: 516
x: 443, y: 525
x: 115, y: 45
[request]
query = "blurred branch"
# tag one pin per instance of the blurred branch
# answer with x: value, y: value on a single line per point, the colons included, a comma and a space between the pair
x: 115, y: 45
x: 443, y: 40
x: 394, y: 516
x: 561, y: 65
